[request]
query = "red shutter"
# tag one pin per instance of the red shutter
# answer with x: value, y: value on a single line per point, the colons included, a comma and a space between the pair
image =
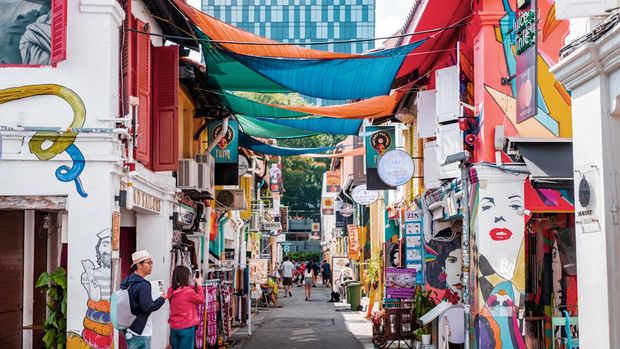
x: 143, y: 67
x: 59, y: 31
x: 165, y: 108
x: 128, y: 50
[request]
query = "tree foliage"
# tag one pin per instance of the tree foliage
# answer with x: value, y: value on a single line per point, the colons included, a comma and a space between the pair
x: 302, y: 177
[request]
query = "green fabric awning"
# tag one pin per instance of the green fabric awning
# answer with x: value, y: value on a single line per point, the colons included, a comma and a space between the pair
x: 264, y: 129
x: 241, y: 105
x: 296, y: 128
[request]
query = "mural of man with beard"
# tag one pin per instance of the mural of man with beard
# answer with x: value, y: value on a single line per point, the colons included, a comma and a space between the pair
x: 96, y: 279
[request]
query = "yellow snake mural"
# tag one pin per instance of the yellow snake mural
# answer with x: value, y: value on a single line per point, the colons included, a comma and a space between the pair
x: 61, y: 141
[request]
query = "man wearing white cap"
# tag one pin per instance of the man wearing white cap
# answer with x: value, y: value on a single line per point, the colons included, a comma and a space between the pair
x: 142, y: 304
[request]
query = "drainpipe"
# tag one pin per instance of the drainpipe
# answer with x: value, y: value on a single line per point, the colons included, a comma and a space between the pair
x: 219, y: 136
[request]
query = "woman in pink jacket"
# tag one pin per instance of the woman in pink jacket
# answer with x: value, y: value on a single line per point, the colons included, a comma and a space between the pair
x: 184, y: 298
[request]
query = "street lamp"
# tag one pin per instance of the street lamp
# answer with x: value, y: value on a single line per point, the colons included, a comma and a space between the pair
x: 462, y: 158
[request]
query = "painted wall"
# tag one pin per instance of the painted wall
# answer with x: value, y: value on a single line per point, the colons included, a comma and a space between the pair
x: 499, y: 246
x: 494, y: 58
x: 444, y: 261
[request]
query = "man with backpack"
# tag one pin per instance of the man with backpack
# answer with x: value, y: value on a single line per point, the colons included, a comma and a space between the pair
x: 141, y: 302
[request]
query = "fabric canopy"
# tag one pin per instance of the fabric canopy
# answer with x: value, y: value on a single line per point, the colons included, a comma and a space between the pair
x: 221, y: 31
x: 354, y: 152
x: 350, y: 78
x: 376, y: 107
x: 255, y: 145
x: 295, y: 128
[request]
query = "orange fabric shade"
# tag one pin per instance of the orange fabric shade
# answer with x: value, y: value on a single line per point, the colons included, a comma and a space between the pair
x: 376, y: 107
x: 221, y: 31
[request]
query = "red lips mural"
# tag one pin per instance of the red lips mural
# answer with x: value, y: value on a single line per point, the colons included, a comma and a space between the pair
x: 500, y: 234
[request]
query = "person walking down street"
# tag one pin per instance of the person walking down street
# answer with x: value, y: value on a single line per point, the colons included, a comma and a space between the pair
x: 316, y: 270
x: 302, y: 273
x: 287, y: 276
x: 141, y: 302
x: 327, y: 273
x: 184, y: 296
x: 308, y: 280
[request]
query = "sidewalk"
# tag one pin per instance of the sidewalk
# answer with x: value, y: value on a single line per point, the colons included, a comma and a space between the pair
x: 355, y: 322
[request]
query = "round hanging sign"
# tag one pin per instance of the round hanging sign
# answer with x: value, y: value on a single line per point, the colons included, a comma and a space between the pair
x: 346, y: 210
x: 363, y: 196
x: 584, y: 192
x: 244, y: 165
x: 395, y: 168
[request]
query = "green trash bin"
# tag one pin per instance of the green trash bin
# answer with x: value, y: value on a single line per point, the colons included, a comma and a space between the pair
x: 346, y: 289
x: 354, y: 295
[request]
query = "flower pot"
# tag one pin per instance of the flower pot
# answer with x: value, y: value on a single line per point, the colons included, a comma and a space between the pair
x: 426, y: 339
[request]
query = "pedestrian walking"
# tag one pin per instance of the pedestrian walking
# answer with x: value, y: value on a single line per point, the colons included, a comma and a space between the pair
x: 287, y: 276
x: 302, y: 273
x: 308, y: 281
x: 316, y: 270
x: 184, y: 296
x: 141, y: 302
x: 327, y: 273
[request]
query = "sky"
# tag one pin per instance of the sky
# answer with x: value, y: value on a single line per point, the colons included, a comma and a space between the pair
x: 390, y: 15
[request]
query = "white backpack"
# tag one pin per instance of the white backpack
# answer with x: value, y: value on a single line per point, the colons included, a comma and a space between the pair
x: 120, y: 310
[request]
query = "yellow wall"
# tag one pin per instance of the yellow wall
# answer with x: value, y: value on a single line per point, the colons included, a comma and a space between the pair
x: 188, y: 125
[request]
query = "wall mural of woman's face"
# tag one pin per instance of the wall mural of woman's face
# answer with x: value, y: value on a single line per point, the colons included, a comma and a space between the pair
x: 501, y: 228
x: 454, y: 264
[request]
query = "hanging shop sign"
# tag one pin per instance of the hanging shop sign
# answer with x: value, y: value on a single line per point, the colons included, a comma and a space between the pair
x: 227, y: 149
x: 333, y: 182
x: 586, y: 212
x: 284, y: 217
x: 380, y: 141
x: 395, y: 167
x: 316, y: 227
x: 364, y: 197
x: 271, y: 226
x: 327, y: 206
x: 244, y: 165
x: 145, y: 201
x: 275, y: 176
x: 185, y: 215
x: 525, y: 29
x: 346, y: 209
x: 354, y: 242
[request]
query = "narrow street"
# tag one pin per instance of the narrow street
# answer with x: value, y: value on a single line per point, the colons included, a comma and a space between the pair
x: 300, y: 324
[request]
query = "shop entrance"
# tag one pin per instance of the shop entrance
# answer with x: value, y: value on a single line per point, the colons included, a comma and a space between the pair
x: 551, y: 279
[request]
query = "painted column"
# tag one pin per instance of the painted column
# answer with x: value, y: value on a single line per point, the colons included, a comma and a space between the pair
x: 498, y: 268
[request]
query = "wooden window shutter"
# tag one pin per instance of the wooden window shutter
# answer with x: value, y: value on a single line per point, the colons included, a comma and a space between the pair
x: 128, y: 50
x: 59, y: 31
x: 143, y: 81
x: 165, y: 108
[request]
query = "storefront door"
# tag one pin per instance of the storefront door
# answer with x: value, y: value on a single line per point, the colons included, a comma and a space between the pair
x: 12, y: 267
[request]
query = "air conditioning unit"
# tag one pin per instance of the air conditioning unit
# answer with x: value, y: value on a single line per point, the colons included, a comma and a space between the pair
x: 187, y: 176
x: 206, y: 172
x: 230, y: 199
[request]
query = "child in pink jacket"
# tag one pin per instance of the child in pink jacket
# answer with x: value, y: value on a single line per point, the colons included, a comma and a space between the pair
x: 184, y: 298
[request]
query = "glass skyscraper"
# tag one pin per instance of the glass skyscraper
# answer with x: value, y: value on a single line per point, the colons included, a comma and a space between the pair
x: 302, y: 21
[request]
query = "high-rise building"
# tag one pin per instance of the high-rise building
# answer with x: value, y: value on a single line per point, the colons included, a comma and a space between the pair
x: 302, y: 21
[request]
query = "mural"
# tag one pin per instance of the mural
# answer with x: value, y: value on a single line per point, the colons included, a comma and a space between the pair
x: 499, y: 218
x: 444, y: 262
x: 96, y: 279
x: 60, y: 141
x: 25, y: 32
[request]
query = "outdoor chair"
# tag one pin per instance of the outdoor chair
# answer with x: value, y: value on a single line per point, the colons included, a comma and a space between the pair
x: 566, y: 322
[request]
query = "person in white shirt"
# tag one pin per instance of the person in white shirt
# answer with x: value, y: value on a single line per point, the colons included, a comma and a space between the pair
x: 287, y: 276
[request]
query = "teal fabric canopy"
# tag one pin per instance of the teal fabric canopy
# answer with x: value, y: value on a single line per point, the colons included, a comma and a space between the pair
x: 342, y: 78
x: 295, y: 128
x: 255, y: 145
x: 245, y: 106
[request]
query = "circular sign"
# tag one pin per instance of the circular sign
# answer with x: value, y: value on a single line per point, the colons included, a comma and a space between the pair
x: 363, y: 196
x: 395, y: 168
x: 228, y: 136
x: 346, y: 210
x: 584, y: 192
x: 244, y: 164
x: 380, y: 141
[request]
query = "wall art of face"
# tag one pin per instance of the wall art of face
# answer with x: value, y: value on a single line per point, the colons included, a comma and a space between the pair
x: 501, y: 229
x: 454, y: 263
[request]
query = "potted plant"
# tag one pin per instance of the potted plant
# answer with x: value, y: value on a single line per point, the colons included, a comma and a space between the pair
x: 422, y: 304
x: 55, y: 326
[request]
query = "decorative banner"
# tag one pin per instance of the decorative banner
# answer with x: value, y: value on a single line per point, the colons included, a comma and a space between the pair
x: 364, y: 197
x: 227, y: 149
x: 414, y: 244
x: 327, y: 206
x: 395, y: 167
x: 525, y: 28
x: 380, y: 141
x: 354, y: 242
x: 275, y: 176
x: 338, y: 264
x: 334, y: 183
x: 254, y: 245
x: 400, y: 283
x: 258, y: 271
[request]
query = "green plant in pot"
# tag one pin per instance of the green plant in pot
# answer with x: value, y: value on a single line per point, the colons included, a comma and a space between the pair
x: 55, y: 326
x: 422, y: 304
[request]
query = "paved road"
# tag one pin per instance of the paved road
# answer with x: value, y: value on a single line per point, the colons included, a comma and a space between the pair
x: 300, y: 324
